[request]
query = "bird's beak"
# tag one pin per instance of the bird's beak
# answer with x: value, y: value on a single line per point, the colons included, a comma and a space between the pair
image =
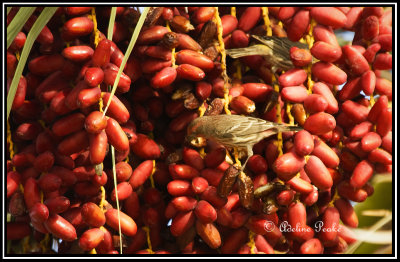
x: 196, y: 141
x: 189, y: 138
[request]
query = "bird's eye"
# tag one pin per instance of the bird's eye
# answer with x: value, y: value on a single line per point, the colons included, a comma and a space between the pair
x: 192, y: 128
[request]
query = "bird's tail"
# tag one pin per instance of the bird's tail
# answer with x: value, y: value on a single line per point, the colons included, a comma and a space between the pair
x: 285, y: 128
x: 245, y: 51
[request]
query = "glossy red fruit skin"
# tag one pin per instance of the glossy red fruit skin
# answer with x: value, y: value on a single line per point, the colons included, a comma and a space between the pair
x: 320, y: 123
x: 102, y: 53
x: 294, y: 94
x: 257, y: 164
x: 318, y: 173
x: 229, y: 23
x: 326, y: 52
x: 190, y: 72
x: 180, y: 171
x: 303, y: 143
x: 345, y: 190
x: 39, y: 212
x: 370, y: 141
x: 328, y: 16
x: 20, y: 94
x: 152, y: 35
x: 69, y: 124
x: 16, y: 206
x: 60, y: 228
x: 379, y: 107
x: 293, y: 77
x: 355, y: 60
x: 194, y: 58
x: 325, y: 153
x: 182, y: 222
x: 331, y: 223
x: 94, y: 76
x: 73, y: 143
x: 91, y: 239
x: 31, y: 193
x: 78, y: 54
x: 298, y: 25
x: 117, y: 109
x: 356, y: 112
x: 78, y: 26
x: 300, y: 57
x: 205, y: 212
x: 145, y: 147
x: 124, y: 83
x: 46, y: 64
x: 164, y: 78
x: 315, y: 103
x: 13, y: 180
x: 124, y: 190
x: 141, y: 173
x: 323, y: 90
x: 249, y: 18
x: 384, y: 123
x: 381, y: 156
x: 128, y: 225
x: 329, y: 73
x: 234, y: 241
x: 347, y: 213
x: 192, y: 157
x: 215, y: 157
x: 312, y: 246
x: 116, y: 136
x: 257, y: 92
x: 287, y: 165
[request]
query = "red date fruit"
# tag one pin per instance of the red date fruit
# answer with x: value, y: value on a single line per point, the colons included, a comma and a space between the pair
x: 128, y: 225
x: 164, y: 78
x: 78, y: 26
x: 318, y: 173
x: 320, y: 123
x: 145, y: 147
x: 116, y: 136
x: 288, y: 165
x: 91, y: 239
x: 60, y: 228
x: 303, y: 143
x: 190, y: 72
x: 328, y: 16
x: 205, y: 212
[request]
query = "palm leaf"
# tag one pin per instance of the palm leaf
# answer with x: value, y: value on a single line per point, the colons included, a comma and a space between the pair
x: 37, y: 27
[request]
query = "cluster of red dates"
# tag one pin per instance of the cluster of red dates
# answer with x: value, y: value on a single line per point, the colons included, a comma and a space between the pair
x: 175, y: 198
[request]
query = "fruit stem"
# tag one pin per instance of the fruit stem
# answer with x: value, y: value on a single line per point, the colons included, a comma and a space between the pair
x: 147, y: 230
x: 10, y: 142
x: 221, y: 48
x: 251, y: 242
x: 267, y: 22
x: 233, y: 11
x: 173, y: 49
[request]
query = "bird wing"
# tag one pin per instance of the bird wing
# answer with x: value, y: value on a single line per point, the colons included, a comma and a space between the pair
x: 282, y: 43
x: 228, y: 127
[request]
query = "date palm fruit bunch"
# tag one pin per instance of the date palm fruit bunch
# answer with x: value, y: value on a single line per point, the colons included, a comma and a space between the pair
x: 227, y: 125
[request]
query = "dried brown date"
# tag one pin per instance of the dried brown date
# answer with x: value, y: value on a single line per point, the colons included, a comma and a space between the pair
x: 228, y: 180
x: 246, y: 190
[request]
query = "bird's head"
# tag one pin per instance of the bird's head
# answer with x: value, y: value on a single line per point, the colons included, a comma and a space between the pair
x: 194, y: 136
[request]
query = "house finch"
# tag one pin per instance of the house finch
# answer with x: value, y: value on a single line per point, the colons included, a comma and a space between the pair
x: 275, y: 50
x: 235, y: 131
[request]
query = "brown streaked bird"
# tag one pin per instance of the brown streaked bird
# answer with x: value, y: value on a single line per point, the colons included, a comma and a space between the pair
x: 275, y: 50
x: 235, y: 131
